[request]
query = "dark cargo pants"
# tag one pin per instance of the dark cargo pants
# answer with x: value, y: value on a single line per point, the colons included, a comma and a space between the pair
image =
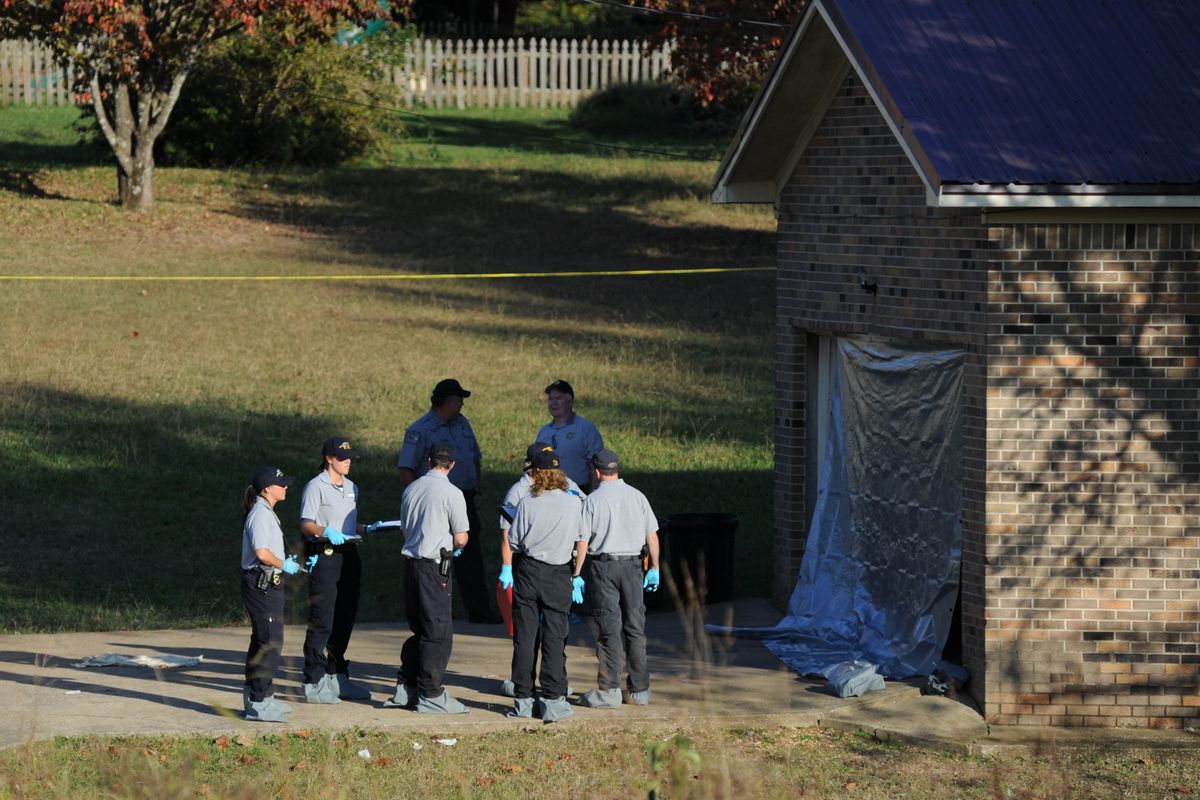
x: 428, y: 603
x: 619, y: 610
x: 541, y: 608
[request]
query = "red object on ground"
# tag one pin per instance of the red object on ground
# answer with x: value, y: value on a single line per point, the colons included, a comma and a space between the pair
x: 504, y: 601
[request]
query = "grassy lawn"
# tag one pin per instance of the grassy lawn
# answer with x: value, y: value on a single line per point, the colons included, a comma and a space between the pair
x: 575, y: 762
x: 132, y: 413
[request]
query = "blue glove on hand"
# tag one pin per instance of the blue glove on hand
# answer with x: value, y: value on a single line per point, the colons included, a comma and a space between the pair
x: 334, y: 536
x: 457, y: 552
x: 311, y: 562
x: 577, y: 589
x: 290, y: 566
x: 374, y: 526
x: 506, y: 576
x: 650, y: 582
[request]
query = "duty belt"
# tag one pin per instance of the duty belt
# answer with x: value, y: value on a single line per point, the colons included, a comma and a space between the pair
x: 611, y: 557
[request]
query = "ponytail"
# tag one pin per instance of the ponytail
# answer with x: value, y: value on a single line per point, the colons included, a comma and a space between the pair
x: 248, y: 498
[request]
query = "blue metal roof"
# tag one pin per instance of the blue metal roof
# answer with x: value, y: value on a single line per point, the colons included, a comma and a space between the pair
x: 1036, y: 91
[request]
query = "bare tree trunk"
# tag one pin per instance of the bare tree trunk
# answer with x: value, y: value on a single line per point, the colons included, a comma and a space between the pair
x: 131, y: 124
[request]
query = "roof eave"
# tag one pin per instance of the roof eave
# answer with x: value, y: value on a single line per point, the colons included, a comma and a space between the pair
x: 1066, y: 196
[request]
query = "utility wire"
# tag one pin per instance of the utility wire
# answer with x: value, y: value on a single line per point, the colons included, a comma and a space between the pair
x: 478, y: 123
x: 686, y: 14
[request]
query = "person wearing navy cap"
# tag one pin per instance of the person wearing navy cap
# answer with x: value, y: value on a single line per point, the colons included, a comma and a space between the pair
x: 619, y: 522
x: 445, y: 424
x: 263, y: 565
x: 575, y: 439
x: 547, y: 531
x: 434, y: 517
x: 328, y: 513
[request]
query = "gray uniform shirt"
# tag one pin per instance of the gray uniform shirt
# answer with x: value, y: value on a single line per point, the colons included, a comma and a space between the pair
x: 430, y: 430
x: 433, y: 510
x: 260, y: 530
x: 574, y: 443
x: 547, y: 526
x: 618, y: 519
x: 522, y: 489
x: 331, y: 506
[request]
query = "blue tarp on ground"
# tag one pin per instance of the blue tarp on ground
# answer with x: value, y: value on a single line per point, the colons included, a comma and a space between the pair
x: 880, y: 571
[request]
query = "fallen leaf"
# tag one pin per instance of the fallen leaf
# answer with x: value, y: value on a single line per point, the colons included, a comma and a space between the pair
x: 299, y: 765
x: 851, y: 786
x: 485, y: 780
x: 136, y: 333
x: 549, y: 764
x: 162, y: 757
x: 382, y: 761
x: 221, y: 742
x: 246, y: 758
x: 242, y: 741
x: 145, y: 292
x: 202, y: 756
x: 565, y: 757
x: 1149, y: 762
x: 515, y: 768
x: 303, y: 733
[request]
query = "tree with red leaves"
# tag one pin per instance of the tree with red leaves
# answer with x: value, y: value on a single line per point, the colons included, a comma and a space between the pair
x: 723, y: 48
x: 130, y: 58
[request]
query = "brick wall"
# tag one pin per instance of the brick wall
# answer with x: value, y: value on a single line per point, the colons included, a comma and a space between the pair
x: 854, y: 203
x: 1081, y: 460
x: 1094, y: 475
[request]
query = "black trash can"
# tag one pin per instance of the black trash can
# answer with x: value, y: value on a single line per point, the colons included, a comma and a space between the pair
x: 699, y: 547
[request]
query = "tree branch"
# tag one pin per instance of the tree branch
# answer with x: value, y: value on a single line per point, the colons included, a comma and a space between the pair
x: 106, y: 125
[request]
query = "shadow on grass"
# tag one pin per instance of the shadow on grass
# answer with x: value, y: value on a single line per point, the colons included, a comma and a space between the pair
x: 519, y: 220
x: 129, y: 513
x: 24, y: 183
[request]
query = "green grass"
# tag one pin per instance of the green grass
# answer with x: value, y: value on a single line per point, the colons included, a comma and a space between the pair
x: 132, y: 413
x: 574, y: 762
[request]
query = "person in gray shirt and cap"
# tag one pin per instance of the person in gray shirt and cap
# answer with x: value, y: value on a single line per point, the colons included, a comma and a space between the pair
x: 434, y: 517
x: 445, y: 424
x: 263, y: 564
x: 619, y: 522
x: 546, y: 531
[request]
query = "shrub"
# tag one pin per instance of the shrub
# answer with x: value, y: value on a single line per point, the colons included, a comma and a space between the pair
x: 637, y: 109
x: 258, y: 100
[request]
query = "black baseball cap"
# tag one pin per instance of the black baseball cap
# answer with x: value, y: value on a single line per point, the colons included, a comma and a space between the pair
x: 338, y: 447
x: 536, y: 448
x: 560, y: 385
x: 270, y: 476
x: 544, y: 459
x: 606, y: 459
x: 448, y: 387
x: 442, y: 451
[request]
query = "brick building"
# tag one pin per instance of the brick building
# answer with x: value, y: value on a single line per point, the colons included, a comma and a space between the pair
x: 1003, y: 179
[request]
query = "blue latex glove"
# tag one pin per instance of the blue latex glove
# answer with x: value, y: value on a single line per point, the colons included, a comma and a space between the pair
x: 577, y: 589
x: 457, y: 552
x: 311, y: 562
x: 290, y: 566
x: 374, y: 526
x: 650, y: 582
x: 506, y: 576
x: 334, y: 536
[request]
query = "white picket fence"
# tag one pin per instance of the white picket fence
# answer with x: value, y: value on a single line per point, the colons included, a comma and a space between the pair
x: 29, y: 76
x: 471, y: 73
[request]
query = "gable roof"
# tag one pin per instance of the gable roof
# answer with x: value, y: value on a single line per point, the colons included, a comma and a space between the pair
x: 1048, y: 102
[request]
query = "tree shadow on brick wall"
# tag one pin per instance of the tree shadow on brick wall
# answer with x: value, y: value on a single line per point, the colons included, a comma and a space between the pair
x: 1101, y: 359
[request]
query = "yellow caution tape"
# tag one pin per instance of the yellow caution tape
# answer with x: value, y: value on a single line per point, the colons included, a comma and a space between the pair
x: 442, y: 276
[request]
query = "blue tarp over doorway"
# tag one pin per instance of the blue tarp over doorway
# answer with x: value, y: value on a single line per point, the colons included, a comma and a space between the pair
x: 880, y: 571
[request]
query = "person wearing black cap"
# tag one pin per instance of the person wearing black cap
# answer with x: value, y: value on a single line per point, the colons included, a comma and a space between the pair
x: 516, y: 493
x: 619, y: 524
x: 445, y: 424
x: 434, y: 517
x: 328, y: 513
x: 546, y: 530
x: 574, y: 438
x: 263, y: 564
